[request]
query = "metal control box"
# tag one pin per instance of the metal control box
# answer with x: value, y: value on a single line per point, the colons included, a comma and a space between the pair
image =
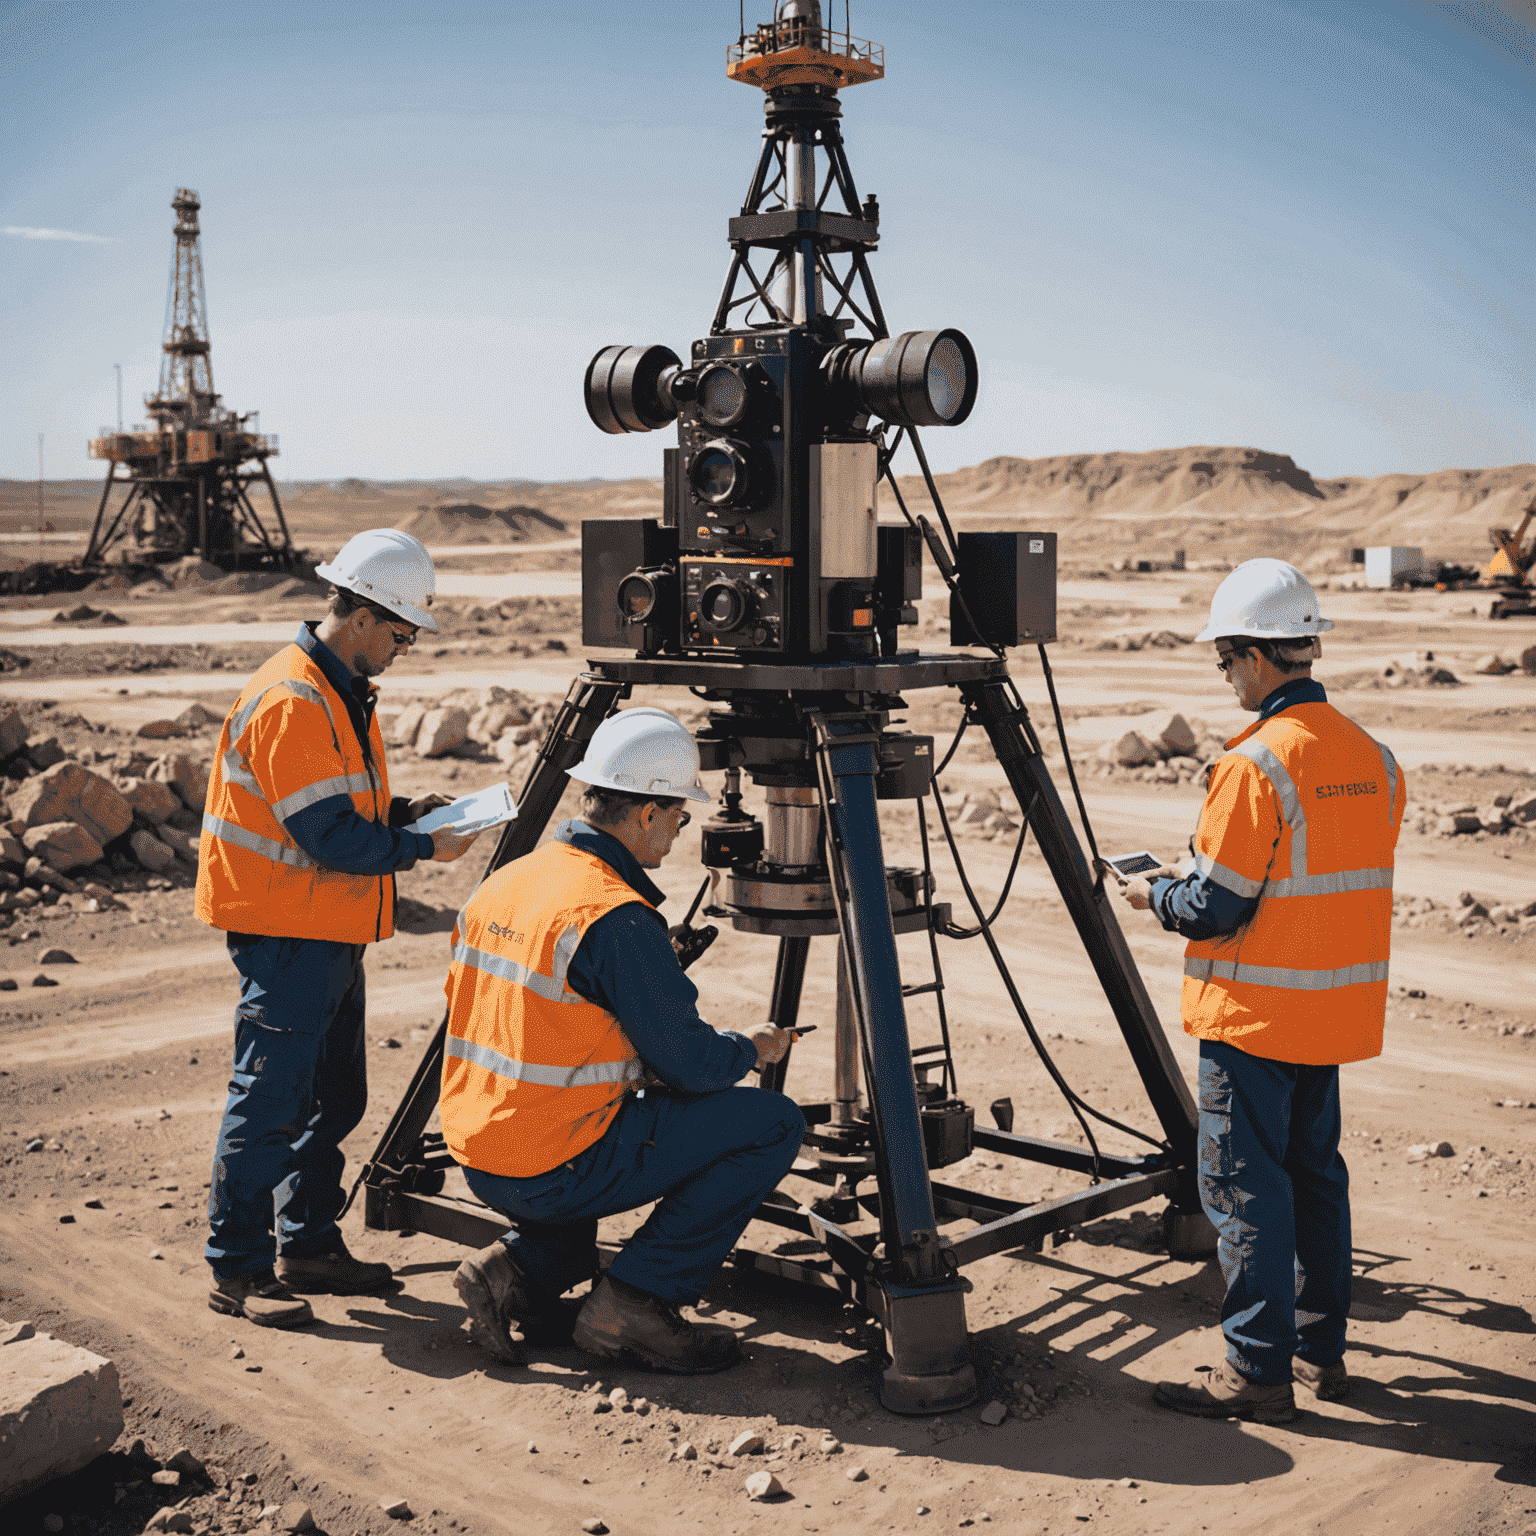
x: 1008, y: 584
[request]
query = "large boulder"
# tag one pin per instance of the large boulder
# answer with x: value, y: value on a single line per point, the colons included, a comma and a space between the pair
x: 60, y: 1408
x: 491, y: 721
x: 1177, y: 737
x: 441, y: 731
x: 1131, y: 750
x: 13, y: 735
x: 187, y: 776
x: 44, y: 751
x: 12, y: 853
x: 150, y: 851
x: 1522, y: 809
x: 195, y: 716
x: 185, y: 844
x: 62, y: 844
x: 1492, y: 665
x: 70, y: 792
x: 151, y: 801
x: 407, y: 723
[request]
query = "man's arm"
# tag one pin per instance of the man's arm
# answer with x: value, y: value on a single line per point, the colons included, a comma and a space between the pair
x: 626, y: 964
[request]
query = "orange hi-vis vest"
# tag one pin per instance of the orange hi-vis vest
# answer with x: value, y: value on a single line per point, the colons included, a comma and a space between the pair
x: 533, y: 1073
x: 287, y: 744
x: 1303, y: 812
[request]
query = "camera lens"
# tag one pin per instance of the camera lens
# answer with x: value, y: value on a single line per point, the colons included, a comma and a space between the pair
x: 637, y: 597
x: 723, y: 396
x: 947, y: 378
x: 723, y: 606
x: 719, y: 474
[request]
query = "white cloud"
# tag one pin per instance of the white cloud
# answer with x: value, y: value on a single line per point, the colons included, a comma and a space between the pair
x: 26, y: 232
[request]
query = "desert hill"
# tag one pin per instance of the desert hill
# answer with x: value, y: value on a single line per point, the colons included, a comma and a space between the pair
x: 470, y: 523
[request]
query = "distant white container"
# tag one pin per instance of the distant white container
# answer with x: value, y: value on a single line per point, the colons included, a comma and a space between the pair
x: 1390, y: 562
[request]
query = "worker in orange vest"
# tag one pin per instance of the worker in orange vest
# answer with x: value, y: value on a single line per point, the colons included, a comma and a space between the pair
x: 1288, y: 910
x: 579, y: 1080
x: 301, y: 842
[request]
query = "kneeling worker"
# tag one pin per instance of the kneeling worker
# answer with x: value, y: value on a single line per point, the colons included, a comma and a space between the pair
x: 565, y: 997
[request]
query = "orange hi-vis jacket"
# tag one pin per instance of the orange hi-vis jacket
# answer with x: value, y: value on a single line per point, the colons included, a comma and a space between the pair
x: 533, y: 1073
x: 1303, y: 813
x: 287, y: 744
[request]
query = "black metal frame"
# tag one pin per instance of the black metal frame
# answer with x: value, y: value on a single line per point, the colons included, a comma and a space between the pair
x: 908, y: 1274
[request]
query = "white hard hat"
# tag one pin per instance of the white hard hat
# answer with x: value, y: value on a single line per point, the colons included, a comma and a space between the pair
x: 1268, y: 600
x: 643, y: 752
x: 389, y: 568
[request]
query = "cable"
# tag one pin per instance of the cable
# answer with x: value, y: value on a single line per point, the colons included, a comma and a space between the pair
x: 954, y: 932
x: 1061, y: 734
x: 950, y: 1076
x: 954, y: 746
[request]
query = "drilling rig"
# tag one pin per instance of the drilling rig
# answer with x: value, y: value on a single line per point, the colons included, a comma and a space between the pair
x: 189, y: 474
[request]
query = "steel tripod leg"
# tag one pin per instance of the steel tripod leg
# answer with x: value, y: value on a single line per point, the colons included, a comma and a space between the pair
x: 588, y: 703
x: 919, y: 1294
x: 788, y: 978
x: 1018, y: 753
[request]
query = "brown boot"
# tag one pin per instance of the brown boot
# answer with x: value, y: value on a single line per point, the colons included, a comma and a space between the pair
x: 495, y: 1289
x: 1225, y: 1394
x: 619, y: 1320
x: 1329, y: 1382
x: 260, y: 1298
x: 335, y: 1273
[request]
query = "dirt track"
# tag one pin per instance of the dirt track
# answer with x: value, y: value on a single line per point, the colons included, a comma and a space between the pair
x: 384, y: 1397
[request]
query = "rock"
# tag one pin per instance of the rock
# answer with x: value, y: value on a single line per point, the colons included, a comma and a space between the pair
x: 746, y: 1444
x: 150, y: 851
x: 13, y: 735
x: 441, y: 731
x: 602, y: 1405
x: 191, y: 571
x: 994, y: 1413
x: 294, y: 1517
x: 60, y: 1408
x: 642, y: 1407
x: 407, y: 723
x: 594, y: 1526
x: 44, y: 751
x: 43, y: 981
x: 57, y: 957
x: 185, y: 775
x: 491, y: 721
x: 47, y: 876
x: 831, y: 1445
x: 1417, y: 1154
x: 195, y: 716
x: 185, y: 845
x: 186, y: 1463
x: 856, y: 1475
x: 1131, y: 750
x: 509, y: 750
x: 683, y: 1452
x: 165, y: 1479
x: 8, y: 984
x: 1521, y: 808
x: 396, y: 1509
x: 14, y: 1333
x: 62, y: 844
x: 763, y: 1485
x: 619, y: 1398
x: 237, y: 1353
x: 151, y: 801
x: 1461, y: 821
x: 1492, y: 665
x: 69, y: 792
x: 160, y: 730
x: 13, y: 855
x: 1177, y: 737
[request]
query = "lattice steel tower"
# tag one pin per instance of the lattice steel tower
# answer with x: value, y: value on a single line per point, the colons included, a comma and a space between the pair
x: 189, y: 475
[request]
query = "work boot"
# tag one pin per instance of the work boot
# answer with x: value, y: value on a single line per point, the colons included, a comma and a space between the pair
x: 335, y: 1273
x: 260, y: 1298
x: 496, y: 1289
x: 1225, y: 1394
x: 619, y: 1320
x: 1329, y: 1382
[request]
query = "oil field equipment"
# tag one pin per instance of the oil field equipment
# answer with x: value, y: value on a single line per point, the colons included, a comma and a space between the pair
x: 770, y: 590
x: 189, y: 475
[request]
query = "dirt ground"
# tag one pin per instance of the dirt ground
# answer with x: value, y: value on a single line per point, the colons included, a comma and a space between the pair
x: 120, y: 1070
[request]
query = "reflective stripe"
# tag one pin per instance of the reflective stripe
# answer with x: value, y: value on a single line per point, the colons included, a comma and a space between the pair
x: 237, y: 770
x: 1281, y: 976
x: 1229, y: 879
x: 323, y: 789
x: 1290, y: 802
x: 1391, y: 767
x: 565, y: 949
x: 254, y: 842
x: 587, y: 1076
x: 1336, y: 884
x: 509, y: 970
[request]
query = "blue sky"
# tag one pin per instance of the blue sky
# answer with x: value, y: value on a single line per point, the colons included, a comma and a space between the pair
x: 1308, y: 227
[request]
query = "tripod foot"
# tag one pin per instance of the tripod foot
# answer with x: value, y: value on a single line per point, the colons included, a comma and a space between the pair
x: 930, y: 1370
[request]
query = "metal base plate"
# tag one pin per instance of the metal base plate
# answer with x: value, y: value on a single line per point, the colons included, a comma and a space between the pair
x: 891, y: 674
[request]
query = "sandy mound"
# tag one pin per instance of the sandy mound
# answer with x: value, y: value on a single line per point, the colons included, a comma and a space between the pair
x: 470, y: 523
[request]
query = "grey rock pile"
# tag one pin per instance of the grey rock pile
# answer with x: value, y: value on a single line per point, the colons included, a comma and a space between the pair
x: 1147, y: 639
x: 985, y: 813
x: 475, y: 723
x: 1499, y: 816
x: 1173, y: 752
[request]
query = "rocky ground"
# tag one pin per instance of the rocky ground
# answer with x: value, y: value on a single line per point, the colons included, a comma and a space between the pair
x: 111, y: 1082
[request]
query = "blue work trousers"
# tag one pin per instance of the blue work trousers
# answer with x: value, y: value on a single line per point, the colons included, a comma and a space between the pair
x: 709, y: 1160
x: 299, y: 1087
x: 1275, y: 1185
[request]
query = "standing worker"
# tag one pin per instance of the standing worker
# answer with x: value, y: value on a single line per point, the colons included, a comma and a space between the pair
x: 301, y: 842
x: 1289, y: 916
x: 579, y: 1080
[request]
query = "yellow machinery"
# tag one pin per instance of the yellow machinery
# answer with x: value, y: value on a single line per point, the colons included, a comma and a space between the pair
x: 1511, y: 568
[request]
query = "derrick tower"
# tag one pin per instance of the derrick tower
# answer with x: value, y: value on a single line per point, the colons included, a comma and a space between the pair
x: 190, y: 470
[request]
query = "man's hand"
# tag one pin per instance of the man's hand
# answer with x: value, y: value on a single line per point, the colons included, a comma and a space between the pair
x: 771, y: 1043
x: 419, y: 808
x: 1138, y: 890
x: 447, y: 844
